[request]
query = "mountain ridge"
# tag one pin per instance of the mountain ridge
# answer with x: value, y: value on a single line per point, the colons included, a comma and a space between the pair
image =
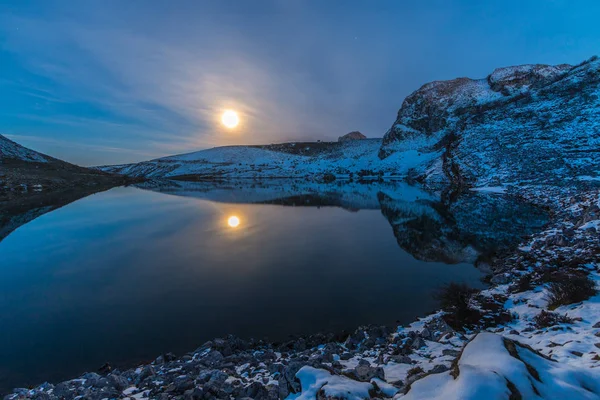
x: 531, y: 123
x: 13, y: 150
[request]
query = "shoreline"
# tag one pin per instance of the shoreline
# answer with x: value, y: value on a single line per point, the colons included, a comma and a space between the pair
x: 387, y: 360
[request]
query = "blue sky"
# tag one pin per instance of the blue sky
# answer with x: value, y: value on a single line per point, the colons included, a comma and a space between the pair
x: 112, y: 81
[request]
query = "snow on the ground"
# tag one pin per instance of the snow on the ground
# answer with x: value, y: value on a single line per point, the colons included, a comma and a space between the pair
x: 570, y: 343
x: 588, y: 178
x: 487, y: 370
x: 490, y: 189
x: 315, y: 380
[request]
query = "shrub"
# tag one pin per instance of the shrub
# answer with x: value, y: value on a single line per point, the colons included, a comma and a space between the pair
x: 414, y: 371
x: 571, y: 289
x: 547, y: 318
x: 328, y: 177
x: 455, y: 296
x: 523, y: 284
x: 455, y: 299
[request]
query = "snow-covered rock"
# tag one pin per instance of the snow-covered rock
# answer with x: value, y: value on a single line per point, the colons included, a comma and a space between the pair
x: 531, y: 123
x: 492, y: 367
x: 318, y: 383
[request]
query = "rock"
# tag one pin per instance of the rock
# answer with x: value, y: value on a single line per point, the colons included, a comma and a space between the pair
x: 418, y: 343
x: 183, y: 383
x: 91, y: 378
x: 364, y: 372
x: 193, y: 394
x: 400, y: 359
x: 288, y: 382
x: 355, y: 135
x: 438, y: 369
x: 450, y: 352
x: 62, y: 391
x: 204, y: 376
x: 118, y: 382
x: 500, y: 279
x: 577, y: 353
x: 300, y: 344
x: 353, y: 340
x: 105, y: 369
x: 101, y: 383
x: 256, y: 391
x: 212, y: 359
x: 146, y: 372
x: 438, y: 328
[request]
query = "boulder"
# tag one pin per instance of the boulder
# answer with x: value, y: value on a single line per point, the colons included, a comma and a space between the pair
x: 355, y: 135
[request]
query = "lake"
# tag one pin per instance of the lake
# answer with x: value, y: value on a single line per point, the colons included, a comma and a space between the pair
x: 125, y: 275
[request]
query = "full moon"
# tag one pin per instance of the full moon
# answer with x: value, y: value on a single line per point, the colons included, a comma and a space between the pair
x: 233, y: 221
x: 230, y: 119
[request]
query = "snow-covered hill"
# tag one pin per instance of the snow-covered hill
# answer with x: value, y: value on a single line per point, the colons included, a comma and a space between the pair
x: 12, y: 150
x: 531, y: 123
x: 354, y: 158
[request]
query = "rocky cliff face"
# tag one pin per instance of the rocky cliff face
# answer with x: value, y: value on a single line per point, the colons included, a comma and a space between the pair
x: 529, y: 123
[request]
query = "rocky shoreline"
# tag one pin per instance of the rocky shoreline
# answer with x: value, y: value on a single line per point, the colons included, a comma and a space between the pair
x: 389, y: 362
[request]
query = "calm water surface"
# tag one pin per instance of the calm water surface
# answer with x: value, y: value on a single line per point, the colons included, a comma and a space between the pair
x: 125, y: 275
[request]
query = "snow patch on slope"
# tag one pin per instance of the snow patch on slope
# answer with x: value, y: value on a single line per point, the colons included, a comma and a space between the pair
x: 317, y: 382
x: 492, y: 367
x: 10, y: 149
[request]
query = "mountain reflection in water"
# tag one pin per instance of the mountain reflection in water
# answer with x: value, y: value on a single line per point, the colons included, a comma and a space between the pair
x: 468, y: 227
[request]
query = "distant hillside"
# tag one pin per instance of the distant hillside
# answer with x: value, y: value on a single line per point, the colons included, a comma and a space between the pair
x: 291, y: 160
x: 12, y: 150
x: 24, y: 171
x: 32, y: 184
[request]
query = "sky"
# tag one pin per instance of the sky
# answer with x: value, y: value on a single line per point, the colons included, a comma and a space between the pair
x: 103, y: 82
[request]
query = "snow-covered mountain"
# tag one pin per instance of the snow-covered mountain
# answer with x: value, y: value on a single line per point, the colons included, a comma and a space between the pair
x: 531, y: 123
x: 12, y: 150
x: 341, y: 159
x: 523, y: 124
